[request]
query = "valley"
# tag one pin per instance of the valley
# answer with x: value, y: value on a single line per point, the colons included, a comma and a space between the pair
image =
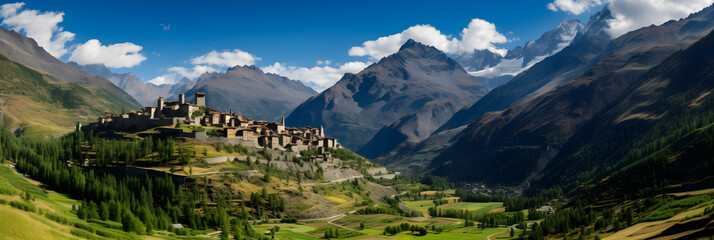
x: 240, y: 120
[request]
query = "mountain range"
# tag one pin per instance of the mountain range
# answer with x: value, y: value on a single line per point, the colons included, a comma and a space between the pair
x: 244, y: 89
x: 495, y: 69
x: 249, y: 91
x: 144, y: 92
x: 405, y: 95
x: 540, y: 78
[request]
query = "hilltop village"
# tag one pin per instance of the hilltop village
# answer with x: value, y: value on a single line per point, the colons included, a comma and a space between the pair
x: 167, y: 115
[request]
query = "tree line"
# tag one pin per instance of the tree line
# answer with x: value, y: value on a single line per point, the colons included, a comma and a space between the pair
x: 141, y: 205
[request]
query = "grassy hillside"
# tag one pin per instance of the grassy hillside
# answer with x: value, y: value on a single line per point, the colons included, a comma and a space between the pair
x: 41, y: 107
x: 49, y: 214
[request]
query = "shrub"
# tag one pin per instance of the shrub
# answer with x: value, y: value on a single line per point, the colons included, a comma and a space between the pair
x: 7, y: 191
x: 84, y: 226
x: 289, y: 220
x: 28, y: 207
x: 84, y: 234
x: 57, y: 218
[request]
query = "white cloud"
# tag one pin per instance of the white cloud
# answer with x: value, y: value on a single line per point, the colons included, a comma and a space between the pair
x: 318, y: 77
x: 325, y: 62
x: 41, y: 26
x: 573, y: 6
x: 212, y: 61
x: 120, y: 55
x: 633, y: 14
x: 233, y: 58
x: 177, y: 73
x: 193, y: 73
x: 165, y: 27
x: 479, y: 35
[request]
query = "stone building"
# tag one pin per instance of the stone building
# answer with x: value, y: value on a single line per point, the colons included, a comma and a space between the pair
x: 168, y: 114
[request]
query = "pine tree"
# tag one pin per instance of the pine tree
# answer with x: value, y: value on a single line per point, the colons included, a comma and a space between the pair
x: 104, y: 211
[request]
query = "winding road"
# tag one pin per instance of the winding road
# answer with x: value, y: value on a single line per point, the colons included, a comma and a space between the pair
x: 306, y: 220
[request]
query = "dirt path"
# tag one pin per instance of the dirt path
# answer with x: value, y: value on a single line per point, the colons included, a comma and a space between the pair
x: 489, y: 236
x: 30, y: 180
x: 338, y: 225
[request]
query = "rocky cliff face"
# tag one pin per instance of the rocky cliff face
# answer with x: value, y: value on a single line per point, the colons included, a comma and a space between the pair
x: 403, y: 96
x: 549, y: 43
x: 251, y: 92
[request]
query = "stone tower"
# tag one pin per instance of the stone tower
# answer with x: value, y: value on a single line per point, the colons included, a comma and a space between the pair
x: 200, y: 99
x: 282, y: 122
x: 322, y: 131
x: 181, y: 99
x: 160, y: 105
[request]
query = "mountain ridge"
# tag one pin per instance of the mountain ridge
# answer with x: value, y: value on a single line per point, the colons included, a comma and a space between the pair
x: 249, y: 91
x: 544, y: 75
x: 540, y: 127
x: 146, y: 93
x: 359, y: 105
x: 26, y: 51
x: 43, y: 96
x: 495, y: 69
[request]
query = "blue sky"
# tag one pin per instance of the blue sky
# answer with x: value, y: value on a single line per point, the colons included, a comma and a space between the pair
x: 293, y: 33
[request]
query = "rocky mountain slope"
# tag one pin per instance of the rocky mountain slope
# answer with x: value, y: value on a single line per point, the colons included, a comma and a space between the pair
x: 578, y: 57
x: 562, y: 66
x: 660, y: 129
x: 249, y: 91
x: 405, y: 95
x: 514, y: 145
x: 144, y: 92
x: 549, y: 43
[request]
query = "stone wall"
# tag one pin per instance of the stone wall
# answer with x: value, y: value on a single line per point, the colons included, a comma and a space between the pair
x: 377, y: 171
